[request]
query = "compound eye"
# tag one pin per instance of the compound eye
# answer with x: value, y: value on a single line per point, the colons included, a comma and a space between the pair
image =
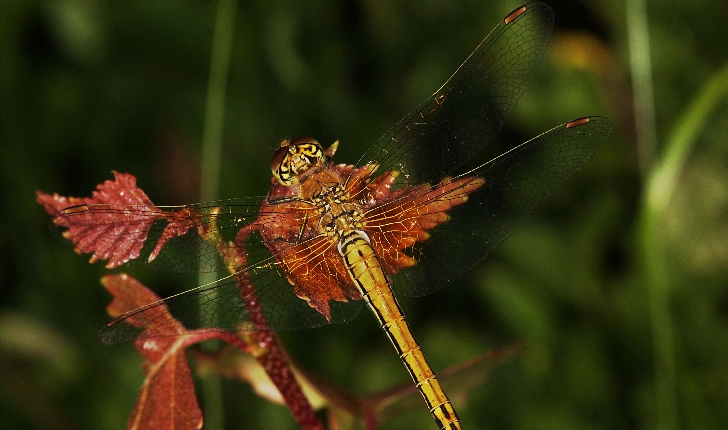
x: 280, y: 166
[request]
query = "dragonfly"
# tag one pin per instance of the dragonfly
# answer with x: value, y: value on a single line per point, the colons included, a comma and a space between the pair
x: 328, y: 237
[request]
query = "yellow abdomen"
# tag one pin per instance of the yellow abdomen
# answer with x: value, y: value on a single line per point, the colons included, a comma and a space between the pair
x: 366, y: 272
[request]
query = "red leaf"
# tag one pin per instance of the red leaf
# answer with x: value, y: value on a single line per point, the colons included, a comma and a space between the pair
x: 111, y: 225
x: 167, y: 399
x: 178, y: 224
x: 114, y: 222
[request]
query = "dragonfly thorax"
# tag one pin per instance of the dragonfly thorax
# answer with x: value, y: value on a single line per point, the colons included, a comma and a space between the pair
x: 338, y: 214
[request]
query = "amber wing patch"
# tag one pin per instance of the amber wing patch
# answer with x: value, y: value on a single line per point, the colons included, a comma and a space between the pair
x: 403, y: 217
x: 317, y: 273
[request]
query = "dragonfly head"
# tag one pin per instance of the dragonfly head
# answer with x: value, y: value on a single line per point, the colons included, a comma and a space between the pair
x: 295, y: 157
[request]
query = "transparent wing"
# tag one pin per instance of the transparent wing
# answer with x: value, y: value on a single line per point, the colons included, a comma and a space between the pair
x: 466, y: 113
x: 515, y: 184
x: 223, y: 305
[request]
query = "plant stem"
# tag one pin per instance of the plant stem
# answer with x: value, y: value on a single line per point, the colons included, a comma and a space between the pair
x: 210, y: 174
x: 641, y: 72
x: 215, y: 105
x: 658, y: 193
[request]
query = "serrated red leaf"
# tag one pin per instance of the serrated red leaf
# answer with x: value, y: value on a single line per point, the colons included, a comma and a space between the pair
x: 114, y: 222
x: 111, y: 225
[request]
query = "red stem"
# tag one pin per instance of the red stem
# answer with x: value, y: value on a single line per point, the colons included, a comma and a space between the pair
x: 272, y: 357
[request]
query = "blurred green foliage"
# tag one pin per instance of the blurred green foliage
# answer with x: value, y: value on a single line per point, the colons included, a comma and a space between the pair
x: 89, y: 87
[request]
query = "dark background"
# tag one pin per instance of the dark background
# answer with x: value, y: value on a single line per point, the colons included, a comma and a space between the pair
x: 625, y: 328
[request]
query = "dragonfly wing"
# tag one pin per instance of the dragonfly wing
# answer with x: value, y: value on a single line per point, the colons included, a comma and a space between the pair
x: 283, y: 309
x: 224, y: 304
x: 466, y: 113
x: 190, y: 252
x: 515, y: 184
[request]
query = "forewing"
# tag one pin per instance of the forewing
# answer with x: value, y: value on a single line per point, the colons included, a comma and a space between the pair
x: 515, y: 184
x: 466, y: 113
